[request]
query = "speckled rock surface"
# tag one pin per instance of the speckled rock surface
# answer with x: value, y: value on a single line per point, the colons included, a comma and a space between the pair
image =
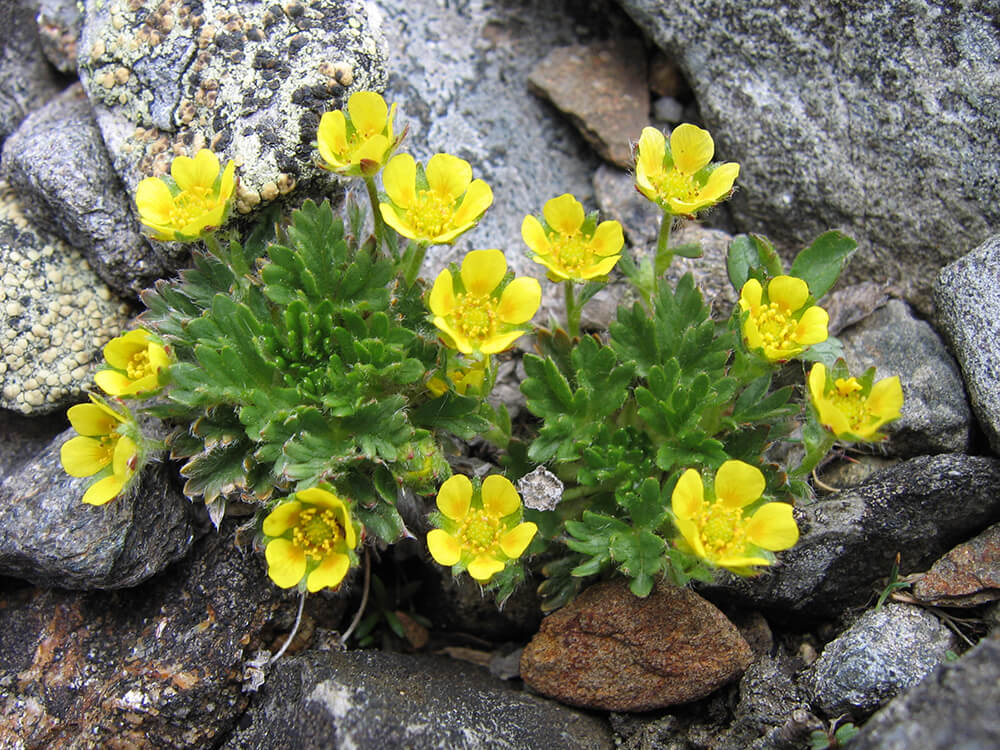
x: 371, y: 699
x: 159, y: 666
x: 55, y: 315
x: 49, y: 537
x: 967, y: 297
x: 936, y: 416
x: 882, y: 654
x: 919, y: 508
x: 611, y: 650
x: 903, y: 91
x: 59, y: 23
x: 73, y: 191
x: 967, y: 576
x: 248, y: 80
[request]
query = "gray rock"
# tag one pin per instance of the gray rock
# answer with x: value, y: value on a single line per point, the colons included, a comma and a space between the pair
x: 955, y: 708
x: 459, y: 76
x: 371, y: 699
x: 161, y: 665
x: 905, y: 92
x: 769, y: 697
x: 22, y: 438
x: 967, y: 297
x: 55, y: 315
x: 59, y: 23
x: 936, y: 416
x: 882, y: 654
x: 616, y: 196
x: 248, y: 80
x: 73, y: 191
x: 919, y: 508
x: 668, y: 109
x: 49, y: 537
x: 26, y: 79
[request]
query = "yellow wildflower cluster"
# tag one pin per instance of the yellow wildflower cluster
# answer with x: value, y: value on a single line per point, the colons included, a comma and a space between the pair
x: 780, y: 322
x: 853, y: 410
x: 359, y: 143
x: 105, y: 446
x: 567, y: 247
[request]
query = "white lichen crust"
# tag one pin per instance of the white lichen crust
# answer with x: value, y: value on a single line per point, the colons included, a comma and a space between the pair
x: 55, y: 316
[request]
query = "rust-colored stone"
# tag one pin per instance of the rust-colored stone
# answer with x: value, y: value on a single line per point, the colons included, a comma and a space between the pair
x: 612, y: 650
x: 966, y: 576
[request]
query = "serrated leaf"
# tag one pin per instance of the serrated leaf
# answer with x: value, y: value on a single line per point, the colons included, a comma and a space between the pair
x: 820, y: 264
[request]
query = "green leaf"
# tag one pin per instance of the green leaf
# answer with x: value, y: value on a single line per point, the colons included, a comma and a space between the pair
x: 456, y: 414
x: 751, y: 256
x: 640, y: 557
x: 820, y: 264
x: 688, y: 250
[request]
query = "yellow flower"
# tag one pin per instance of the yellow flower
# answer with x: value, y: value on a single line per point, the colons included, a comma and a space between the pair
x: 102, y: 447
x: 194, y: 202
x: 680, y: 177
x: 137, y: 360
x: 470, y: 314
x: 435, y: 206
x: 568, y: 245
x: 481, y: 536
x: 852, y: 409
x: 719, y: 531
x: 309, y: 535
x: 360, y: 143
x: 464, y: 379
x: 781, y: 323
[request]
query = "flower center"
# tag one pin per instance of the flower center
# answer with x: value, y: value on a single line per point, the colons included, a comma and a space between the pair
x: 475, y: 315
x: 571, y: 251
x: 479, y: 531
x: 106, y: 450
x: 672, y: 183
x: 317, y: 531
x: 432, y: 214
x: 138, y: 365
x: 776, y: 328
x: 723, y: 530
x: 848, y: 400
x: 190, y: 204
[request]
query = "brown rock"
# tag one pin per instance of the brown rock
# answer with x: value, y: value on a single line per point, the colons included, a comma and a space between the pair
x: 966, y: 576
x: 603, y: 88
x: 665, y: 78
x: 612, y: 650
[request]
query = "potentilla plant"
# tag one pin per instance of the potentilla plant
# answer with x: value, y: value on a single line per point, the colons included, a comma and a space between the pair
x: 304, y: 371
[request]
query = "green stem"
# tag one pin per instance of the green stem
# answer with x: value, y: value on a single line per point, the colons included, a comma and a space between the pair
x: 573, y: 311
x: 814, y: 454
x: 376, y: 213
x: 212, y: 243
x: 411, y: 268
x: 663, y: 255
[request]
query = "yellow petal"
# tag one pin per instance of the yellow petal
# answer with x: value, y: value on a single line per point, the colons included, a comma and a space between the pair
x: 125, y: 452
x: 442, y: 298
x: 399, y: 178
x: 499, y: 343
x: 329, y: 573
x: 520, y: 300
x: 813, y: 326
x: 372, y: 150
x: 603, y: 268
x: 738, y: 484
x: 282, y: 518
x: 773, y: 527
x: 688, y: 495
x: 444, y: 548
x: 649, y: 159
x: 454, y: 497
x: 206, y: 168
x: 83, y: 456
x: 331, y: 138
x: 286, y: 563
x: 689, y: 531
x: 691, y: 147
x: 154, y: 201
x: 483, y: 270
x: 119, y: 351
x: 752, y: 334
x: 534, y: 236
x: 113, y: 382
x: 227, y: 184
x: 454, y: 338
x: 720, y: 182
x: 93, y: 419
x: 833, y: 418
x: 564, y: 214
x: 500, y: 498
x: 477, y: 199
x: 608, y: 239
x: 484, y: 567
x: 103, y: 490
x: 320, y: 498
x: 516, y: 541
x: 817, y: 382
x: 368, y: 112
x: 788, y: 291
x: 886, y: 398
x: 751, y: 295
x: 739, y: 564
x: 448, y: 176
x: 400, y: 223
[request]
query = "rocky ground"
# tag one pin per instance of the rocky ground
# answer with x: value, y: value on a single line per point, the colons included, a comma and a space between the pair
x: 138, y: 625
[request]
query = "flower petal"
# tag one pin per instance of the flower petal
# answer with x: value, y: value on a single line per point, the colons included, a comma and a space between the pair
x: 740, y: 564
x: 689, y: 531
x: 817, y: 383
x: 282, y: 518
x: 500, y: 498
x: 368, y: 112
x: 886, y: 399
x: 329, y: 573
x: 448, y: 176
x: 751, y: 295
x: 400, y: 223
x: 608, y: 239
x: 442, y: 298
x: 720, y: 182
x: 688, y: 496
x: 516, y: 541
x: 154, y: 201
x: 371, y: 150
x: 125, y: 453
x: 691, y: 147
x: 93, y: 419
x: 83, y: 456
x: 773, y: 527
x: 738, y: 484
x: 286, y: 563
x: 484, y: 567
x: 813, y: 326
x: 520, y: 300
x: 603, y: 268
x: 534, y: 236
x: 444, y: 548
x: 651, y: 150
x: 788, y: 291
x: 454, y: 497
x: 477, y: 199
x: 104, y: 490
x: 564, y: 214
x: 113, y: 382
x: 331, y: 138
x: 399, y: 178
x: 499, y: 343
x: 483, y: 270
x: 454, y: 338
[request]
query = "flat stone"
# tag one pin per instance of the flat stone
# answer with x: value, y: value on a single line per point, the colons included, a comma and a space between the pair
x: 611, y: 650
x: 602, y: 87
x: 967, y: 298
x: 22, y: 438
x: 373, y: 699
x: 967, y: 576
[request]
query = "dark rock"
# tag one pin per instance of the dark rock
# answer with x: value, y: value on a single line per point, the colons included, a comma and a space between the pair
x: 73, y: 191
x: 952, y: 709
x: 49, y: 537
x: 919, y: 509
x: 59, y: 23
x: 935, y: 416
x: 967, y: 297
x: 602, y: 88
x: 665, y: 78
x: 614, y: 190
x: 26, y: 80
x: 769, y: 699
x: 609, y: 649
x: 902, y: 91
x: 882, y: 654
x: 22, y: 438
x: 967, y: 576
x: 157, y: 666
x: 370, y: 699
x: 55, y: 315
